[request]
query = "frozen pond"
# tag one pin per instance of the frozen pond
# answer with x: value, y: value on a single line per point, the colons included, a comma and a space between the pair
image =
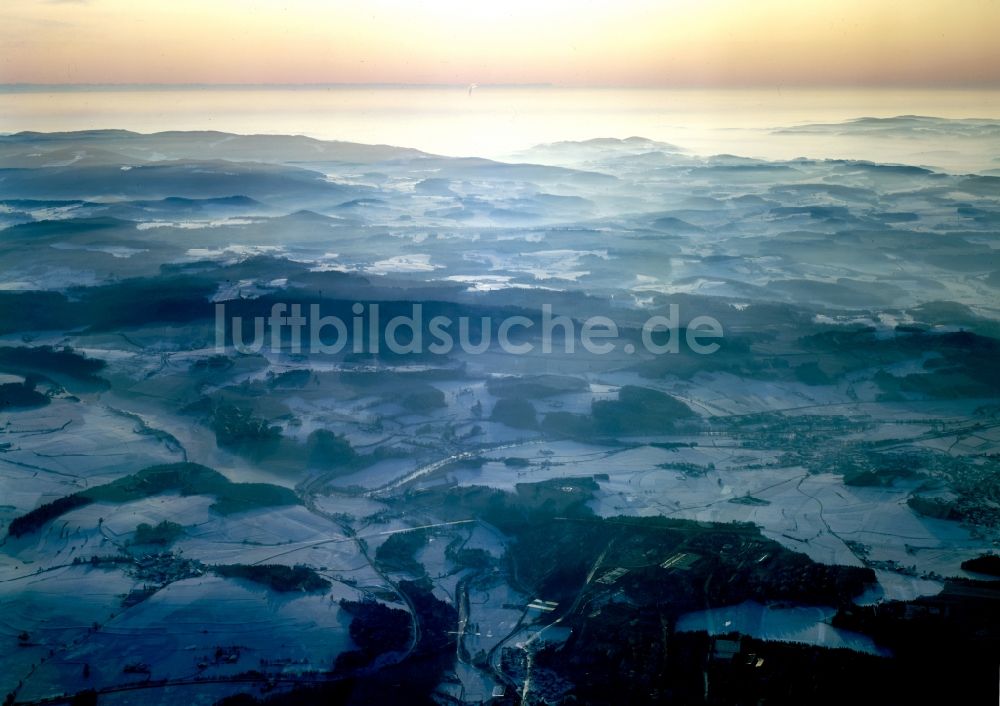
x: 805, y: 624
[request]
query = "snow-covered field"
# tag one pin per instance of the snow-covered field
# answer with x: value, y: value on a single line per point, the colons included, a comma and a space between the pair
x: 183, y: 625
x: 67, y: 446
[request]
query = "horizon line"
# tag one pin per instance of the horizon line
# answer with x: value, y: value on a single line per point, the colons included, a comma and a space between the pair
x: 124, y: 86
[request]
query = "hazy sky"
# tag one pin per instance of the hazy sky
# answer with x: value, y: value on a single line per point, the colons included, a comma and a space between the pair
x: 573, y: 42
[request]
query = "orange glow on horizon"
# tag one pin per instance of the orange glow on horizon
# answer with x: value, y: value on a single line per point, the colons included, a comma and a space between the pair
x: 567, y: 42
